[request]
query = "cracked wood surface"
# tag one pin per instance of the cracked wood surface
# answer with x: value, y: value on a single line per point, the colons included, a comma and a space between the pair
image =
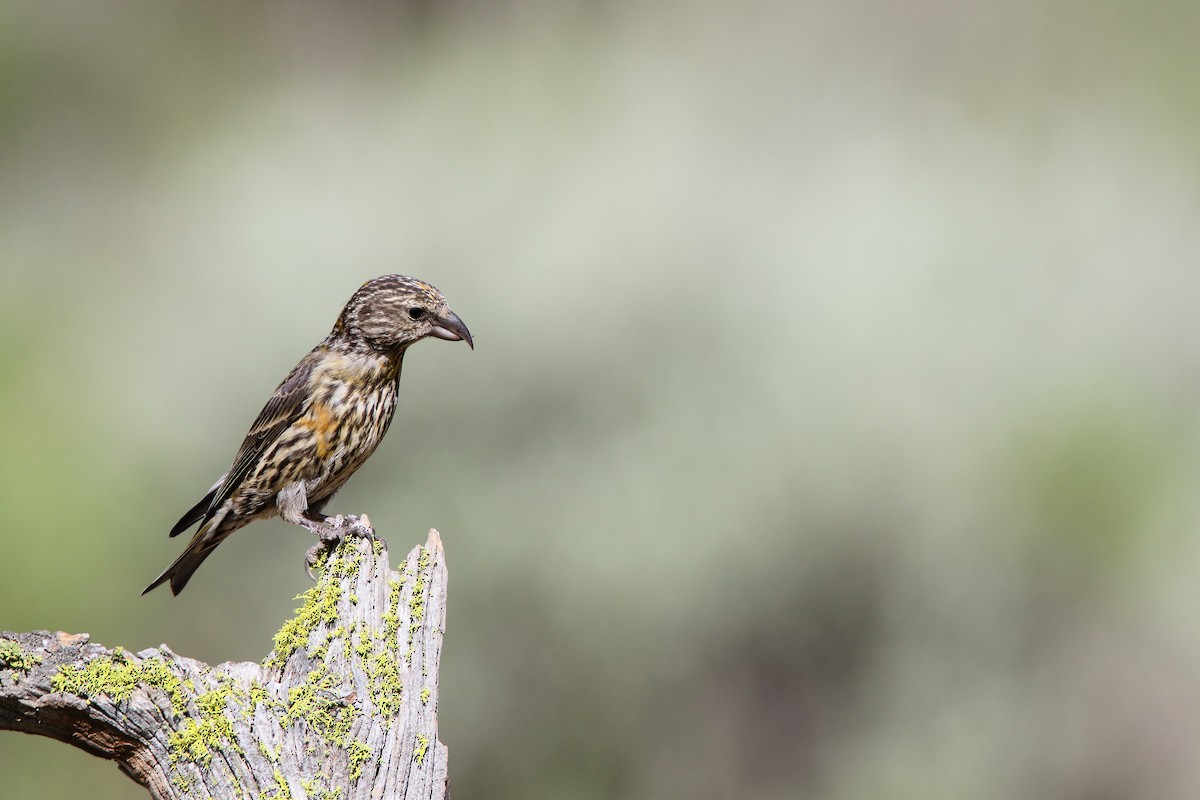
x: 344, y: 706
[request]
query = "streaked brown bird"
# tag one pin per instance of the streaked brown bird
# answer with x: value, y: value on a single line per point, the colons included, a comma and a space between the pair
x: 323, y: 421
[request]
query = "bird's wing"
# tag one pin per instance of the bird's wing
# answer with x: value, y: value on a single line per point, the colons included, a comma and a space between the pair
x: 287, y: 404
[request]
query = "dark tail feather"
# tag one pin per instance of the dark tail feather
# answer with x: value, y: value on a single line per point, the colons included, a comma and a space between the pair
x: 196, y: 512
x: 181, y: 569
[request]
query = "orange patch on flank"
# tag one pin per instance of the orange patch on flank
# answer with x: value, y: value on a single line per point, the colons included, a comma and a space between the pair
x: 321, y: 421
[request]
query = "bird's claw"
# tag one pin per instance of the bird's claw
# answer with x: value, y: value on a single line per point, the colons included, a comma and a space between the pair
x: 331, y: 533
x: 313, y: 557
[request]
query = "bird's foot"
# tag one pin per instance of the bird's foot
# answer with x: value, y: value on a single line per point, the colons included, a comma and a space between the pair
x: 344, y: 525
x: 330, y: 533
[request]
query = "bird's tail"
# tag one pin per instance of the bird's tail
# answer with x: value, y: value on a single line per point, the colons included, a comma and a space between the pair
x: 199, y: 548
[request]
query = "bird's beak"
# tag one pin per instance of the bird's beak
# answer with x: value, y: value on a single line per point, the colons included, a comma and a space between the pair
x: 452, y: 329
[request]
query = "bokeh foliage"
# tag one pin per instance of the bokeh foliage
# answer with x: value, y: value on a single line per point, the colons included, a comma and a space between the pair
x: 831, y: 431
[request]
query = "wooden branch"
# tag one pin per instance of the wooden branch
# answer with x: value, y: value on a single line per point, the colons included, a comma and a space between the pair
x: 344, y: 707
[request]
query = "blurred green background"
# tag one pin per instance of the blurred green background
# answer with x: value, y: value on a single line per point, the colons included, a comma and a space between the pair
x: 832, y: 430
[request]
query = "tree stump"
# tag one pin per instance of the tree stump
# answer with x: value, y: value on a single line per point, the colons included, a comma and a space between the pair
x: 345, y: 705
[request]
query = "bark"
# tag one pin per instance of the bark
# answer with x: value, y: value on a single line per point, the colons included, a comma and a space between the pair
x: 345, y: 705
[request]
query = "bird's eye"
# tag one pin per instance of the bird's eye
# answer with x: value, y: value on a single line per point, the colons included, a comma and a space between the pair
x: 416, y: 312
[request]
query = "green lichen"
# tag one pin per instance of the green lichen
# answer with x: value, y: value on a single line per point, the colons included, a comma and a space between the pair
x: 316, y: 701
x: 213, y: 704
x: 281, y: 791
x: 359, y: 754
x: 346, y: 561
x: 13, y: 656
x: 416, y: 605
x: 382, y: 663
x: 421, y: 748
x: 416, y: 602
x: 391, y: 617
x: 257, y: 694
x: 157, y: 673
x: 321, y: 653
x: 363, y: 648
x: 425, y: 694
x: 196, y: 740
x: 313, y: 788
x: 387, y: 690
x: 116, y: 676
x: 319, y: 606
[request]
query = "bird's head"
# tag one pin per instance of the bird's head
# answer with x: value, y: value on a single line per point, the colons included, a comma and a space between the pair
x: 393, y: 311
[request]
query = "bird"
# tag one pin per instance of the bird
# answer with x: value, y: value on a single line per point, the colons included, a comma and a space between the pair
x: 322, y: 422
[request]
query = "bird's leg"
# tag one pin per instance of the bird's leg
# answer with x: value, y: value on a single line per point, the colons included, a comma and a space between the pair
x: 292, y: 503
x: 294, y: 508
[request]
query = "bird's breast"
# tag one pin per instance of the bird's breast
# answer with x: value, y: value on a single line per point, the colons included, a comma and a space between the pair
x: 349, y: 414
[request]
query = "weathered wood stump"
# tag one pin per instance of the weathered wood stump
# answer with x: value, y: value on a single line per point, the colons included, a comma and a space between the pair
x: 345, y: 705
